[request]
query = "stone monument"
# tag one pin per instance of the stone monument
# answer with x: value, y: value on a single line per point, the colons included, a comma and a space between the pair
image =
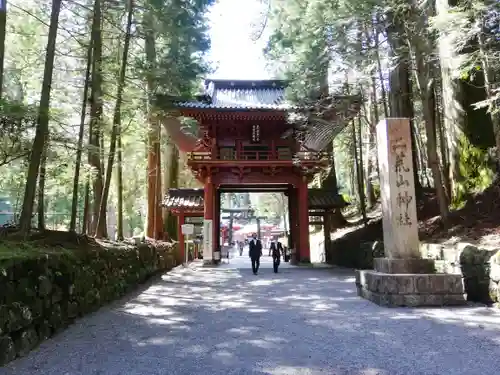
x: 403, y: 277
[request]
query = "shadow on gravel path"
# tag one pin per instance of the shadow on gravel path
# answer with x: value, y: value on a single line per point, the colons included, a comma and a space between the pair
x: 300, y: 321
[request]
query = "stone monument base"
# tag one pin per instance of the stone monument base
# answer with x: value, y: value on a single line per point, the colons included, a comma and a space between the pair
x: 410, y: 283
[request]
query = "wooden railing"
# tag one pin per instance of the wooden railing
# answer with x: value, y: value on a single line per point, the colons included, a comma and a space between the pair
x: 200, y: 155
x: 260, y: 155
x: 254, y: 155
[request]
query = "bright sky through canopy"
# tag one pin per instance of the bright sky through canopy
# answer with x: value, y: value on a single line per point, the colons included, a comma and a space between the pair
x: 233, y: 52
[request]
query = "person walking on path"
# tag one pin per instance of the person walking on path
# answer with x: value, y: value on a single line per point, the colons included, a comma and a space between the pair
x: 240, y: 245
x: 255, y: 252
x: 277, y: 249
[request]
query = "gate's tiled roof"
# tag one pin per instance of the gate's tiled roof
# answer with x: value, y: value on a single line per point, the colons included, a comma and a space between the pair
x: 192, y: 199
x: 324, y: 199
x: 242, y: 95
x: 224, y: 96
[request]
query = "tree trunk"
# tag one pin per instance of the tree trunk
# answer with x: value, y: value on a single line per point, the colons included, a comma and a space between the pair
x: 159, y: 196
x: 421, y: 156
x: 41, y: 189
x: 284, y: 209
x: 101, y: 230
x: 442, y: 143
x: 426, y: 87
x: 154, y: 214
x: 3, y: 23
x: 42, y: 128
x: 380, y: 70
x: 86, y: 208
x: 371, y: 146
x: 168, y: 147
x: 96, y: 110
x: 355, y: 174
x: 173, y: 167
x: 453, y: 113
x: 489, y: 79
x: 79, y: 151
x: 359, y: 169
x: 433, y: 161
x: 119, y: 185
x: 330, y: 183
x: 18, y: 201
x: 370, y: 169
x: 87, y: 220
x: 400, y: 94
x: 352, y: 178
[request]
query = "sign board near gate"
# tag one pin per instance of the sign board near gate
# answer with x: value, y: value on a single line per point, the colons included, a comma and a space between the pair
x: 207, y: 240
x: 187, y: 229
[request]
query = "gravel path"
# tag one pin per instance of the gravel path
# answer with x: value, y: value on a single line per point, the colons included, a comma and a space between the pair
x: 301, y: 321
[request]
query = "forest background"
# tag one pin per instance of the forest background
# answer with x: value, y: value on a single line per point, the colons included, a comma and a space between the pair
x: 79, y: 79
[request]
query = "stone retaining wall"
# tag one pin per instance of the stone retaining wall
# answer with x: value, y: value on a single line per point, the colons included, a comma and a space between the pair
x: 39, y: 296
x: 357, y: 249
x: 480, y: 268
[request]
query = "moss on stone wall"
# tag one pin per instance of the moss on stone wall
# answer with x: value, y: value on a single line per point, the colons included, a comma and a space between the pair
x: 43, y: 290
x: 476, y: 268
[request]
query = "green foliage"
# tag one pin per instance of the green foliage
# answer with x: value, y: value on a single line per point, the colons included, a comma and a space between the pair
x: 475, y: 170
x: 181, y: 41
x: 16, y: 120
x: 346, y: 197
x: 271, y: 205
x: 298, y: 46
x: 353, y: 43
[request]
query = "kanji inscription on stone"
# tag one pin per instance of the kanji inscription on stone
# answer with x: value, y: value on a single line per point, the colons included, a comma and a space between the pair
x: 397, y: 188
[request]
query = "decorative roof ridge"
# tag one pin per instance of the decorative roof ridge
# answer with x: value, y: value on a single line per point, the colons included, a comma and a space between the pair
x: 235, y: 84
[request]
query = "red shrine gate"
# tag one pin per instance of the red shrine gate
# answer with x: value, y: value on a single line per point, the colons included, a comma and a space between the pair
x: 245, y: 142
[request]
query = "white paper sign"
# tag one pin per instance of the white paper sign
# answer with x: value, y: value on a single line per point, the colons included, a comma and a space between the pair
x: 187, y: 229
x: 207, y: 240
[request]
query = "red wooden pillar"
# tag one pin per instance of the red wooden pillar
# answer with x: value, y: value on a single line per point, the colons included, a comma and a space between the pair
x: 216, y: 220
x: 208, y: 199
x: 209, y: 213
x: 182, y: 245
x: 294, y: 226
x: 303, y: 219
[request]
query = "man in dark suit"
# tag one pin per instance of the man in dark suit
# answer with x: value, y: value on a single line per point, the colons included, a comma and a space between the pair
x: 276, y: 249
x: 255, y: 253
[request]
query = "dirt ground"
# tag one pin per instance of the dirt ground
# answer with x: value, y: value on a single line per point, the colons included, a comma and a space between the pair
x: 478, y: 222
